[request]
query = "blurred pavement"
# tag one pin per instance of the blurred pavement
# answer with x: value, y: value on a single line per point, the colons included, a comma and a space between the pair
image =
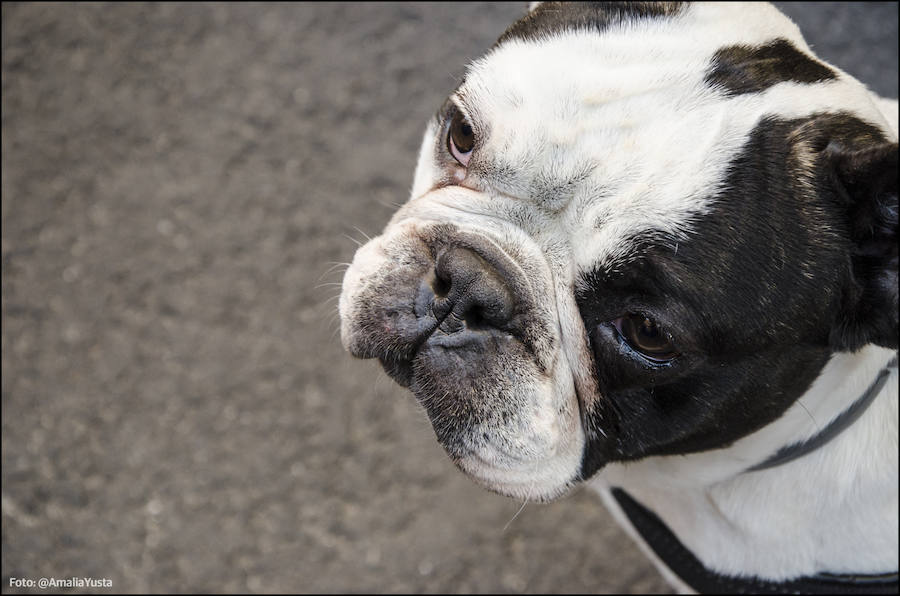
x: 178, y: 183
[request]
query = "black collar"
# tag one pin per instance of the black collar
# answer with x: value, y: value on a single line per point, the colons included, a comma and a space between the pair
x: 844, y: 420
x: 691, y: 571
x: 686, y: 566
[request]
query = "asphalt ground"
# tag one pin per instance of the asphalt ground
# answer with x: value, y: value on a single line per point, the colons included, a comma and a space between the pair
x: 179, y: 182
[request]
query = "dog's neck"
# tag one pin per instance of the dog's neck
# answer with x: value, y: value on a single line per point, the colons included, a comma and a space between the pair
x: 799, y: 518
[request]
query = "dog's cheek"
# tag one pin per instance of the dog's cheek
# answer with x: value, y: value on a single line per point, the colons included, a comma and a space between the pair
x: 490, y: 395
x: 711, y: 409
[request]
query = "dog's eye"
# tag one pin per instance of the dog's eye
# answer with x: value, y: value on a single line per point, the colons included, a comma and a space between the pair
x: 460, y: 139
x: 644, y: 336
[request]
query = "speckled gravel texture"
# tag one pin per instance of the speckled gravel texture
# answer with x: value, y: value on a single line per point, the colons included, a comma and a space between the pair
x: 178, y: 415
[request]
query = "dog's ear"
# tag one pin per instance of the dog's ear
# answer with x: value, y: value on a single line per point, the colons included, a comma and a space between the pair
x: 865, y: 181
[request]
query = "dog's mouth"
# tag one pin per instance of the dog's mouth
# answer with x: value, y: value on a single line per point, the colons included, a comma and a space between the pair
x: 452, y: 317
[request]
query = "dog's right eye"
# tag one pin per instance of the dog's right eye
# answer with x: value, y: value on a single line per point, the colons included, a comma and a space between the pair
x: 646, y: 337
x: 460, y: 139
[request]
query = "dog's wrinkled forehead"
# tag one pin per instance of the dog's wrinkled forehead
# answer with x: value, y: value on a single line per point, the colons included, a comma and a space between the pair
x: 619, y: 121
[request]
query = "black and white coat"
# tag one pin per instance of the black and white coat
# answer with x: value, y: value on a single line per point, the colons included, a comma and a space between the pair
x: 697, y: 166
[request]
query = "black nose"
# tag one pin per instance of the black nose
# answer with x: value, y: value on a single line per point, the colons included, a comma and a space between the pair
x: 469, y: 293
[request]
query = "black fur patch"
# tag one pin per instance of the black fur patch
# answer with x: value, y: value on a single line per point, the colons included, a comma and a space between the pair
x: 751, y: 300
x: 551, y: 17
x: 744, y: 69
x: 867, y: 187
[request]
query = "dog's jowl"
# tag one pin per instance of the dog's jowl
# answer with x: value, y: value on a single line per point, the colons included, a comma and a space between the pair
x: 652, y: 247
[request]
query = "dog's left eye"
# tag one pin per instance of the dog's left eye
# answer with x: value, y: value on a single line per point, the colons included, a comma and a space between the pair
x: 645, y: 336
x: 460, y: 139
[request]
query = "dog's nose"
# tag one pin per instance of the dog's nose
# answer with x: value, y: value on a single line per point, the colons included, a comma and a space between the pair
x: 469, y: 292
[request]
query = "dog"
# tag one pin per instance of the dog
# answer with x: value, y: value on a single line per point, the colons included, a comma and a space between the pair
x: 651, y: 247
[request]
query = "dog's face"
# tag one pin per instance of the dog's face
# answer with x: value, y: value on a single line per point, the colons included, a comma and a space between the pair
x: 635, y: 229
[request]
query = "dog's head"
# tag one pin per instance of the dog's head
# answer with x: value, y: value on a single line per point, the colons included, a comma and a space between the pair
x: 635, y: 229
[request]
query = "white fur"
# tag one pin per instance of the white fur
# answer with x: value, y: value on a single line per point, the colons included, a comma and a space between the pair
x: 888, y: 108
x: 834, y: 509
x: 632, y: 107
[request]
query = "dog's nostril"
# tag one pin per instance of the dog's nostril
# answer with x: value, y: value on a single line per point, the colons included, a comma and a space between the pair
x: 469, y: 290
x: 440, y: 285
x: 476, y: 320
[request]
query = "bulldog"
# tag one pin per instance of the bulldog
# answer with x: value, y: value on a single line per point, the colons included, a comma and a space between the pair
x: 652, y: 247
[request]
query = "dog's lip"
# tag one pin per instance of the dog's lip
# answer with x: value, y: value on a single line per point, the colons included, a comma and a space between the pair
x: 402, y: 369
x: 401, y: 366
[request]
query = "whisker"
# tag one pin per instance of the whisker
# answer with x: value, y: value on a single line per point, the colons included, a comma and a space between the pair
x: 525, y: 502
x: 389, y: 204
x: 366, y: 236
x: 327, y: 284
x: 327, y: 304
x: 332, y: 268
x: 352, y: 239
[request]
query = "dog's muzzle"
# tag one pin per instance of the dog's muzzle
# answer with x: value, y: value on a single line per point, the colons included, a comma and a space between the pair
x: 450, y: 315
x: 440, y: 316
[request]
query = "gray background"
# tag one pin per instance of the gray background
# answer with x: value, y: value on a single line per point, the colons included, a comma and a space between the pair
x: 177, y: 182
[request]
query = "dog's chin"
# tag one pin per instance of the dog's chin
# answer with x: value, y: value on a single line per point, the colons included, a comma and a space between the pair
x: 539, y: 482
x: 526, y: 459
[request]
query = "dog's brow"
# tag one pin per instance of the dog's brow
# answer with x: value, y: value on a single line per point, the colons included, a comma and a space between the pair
x: 464, y: 100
